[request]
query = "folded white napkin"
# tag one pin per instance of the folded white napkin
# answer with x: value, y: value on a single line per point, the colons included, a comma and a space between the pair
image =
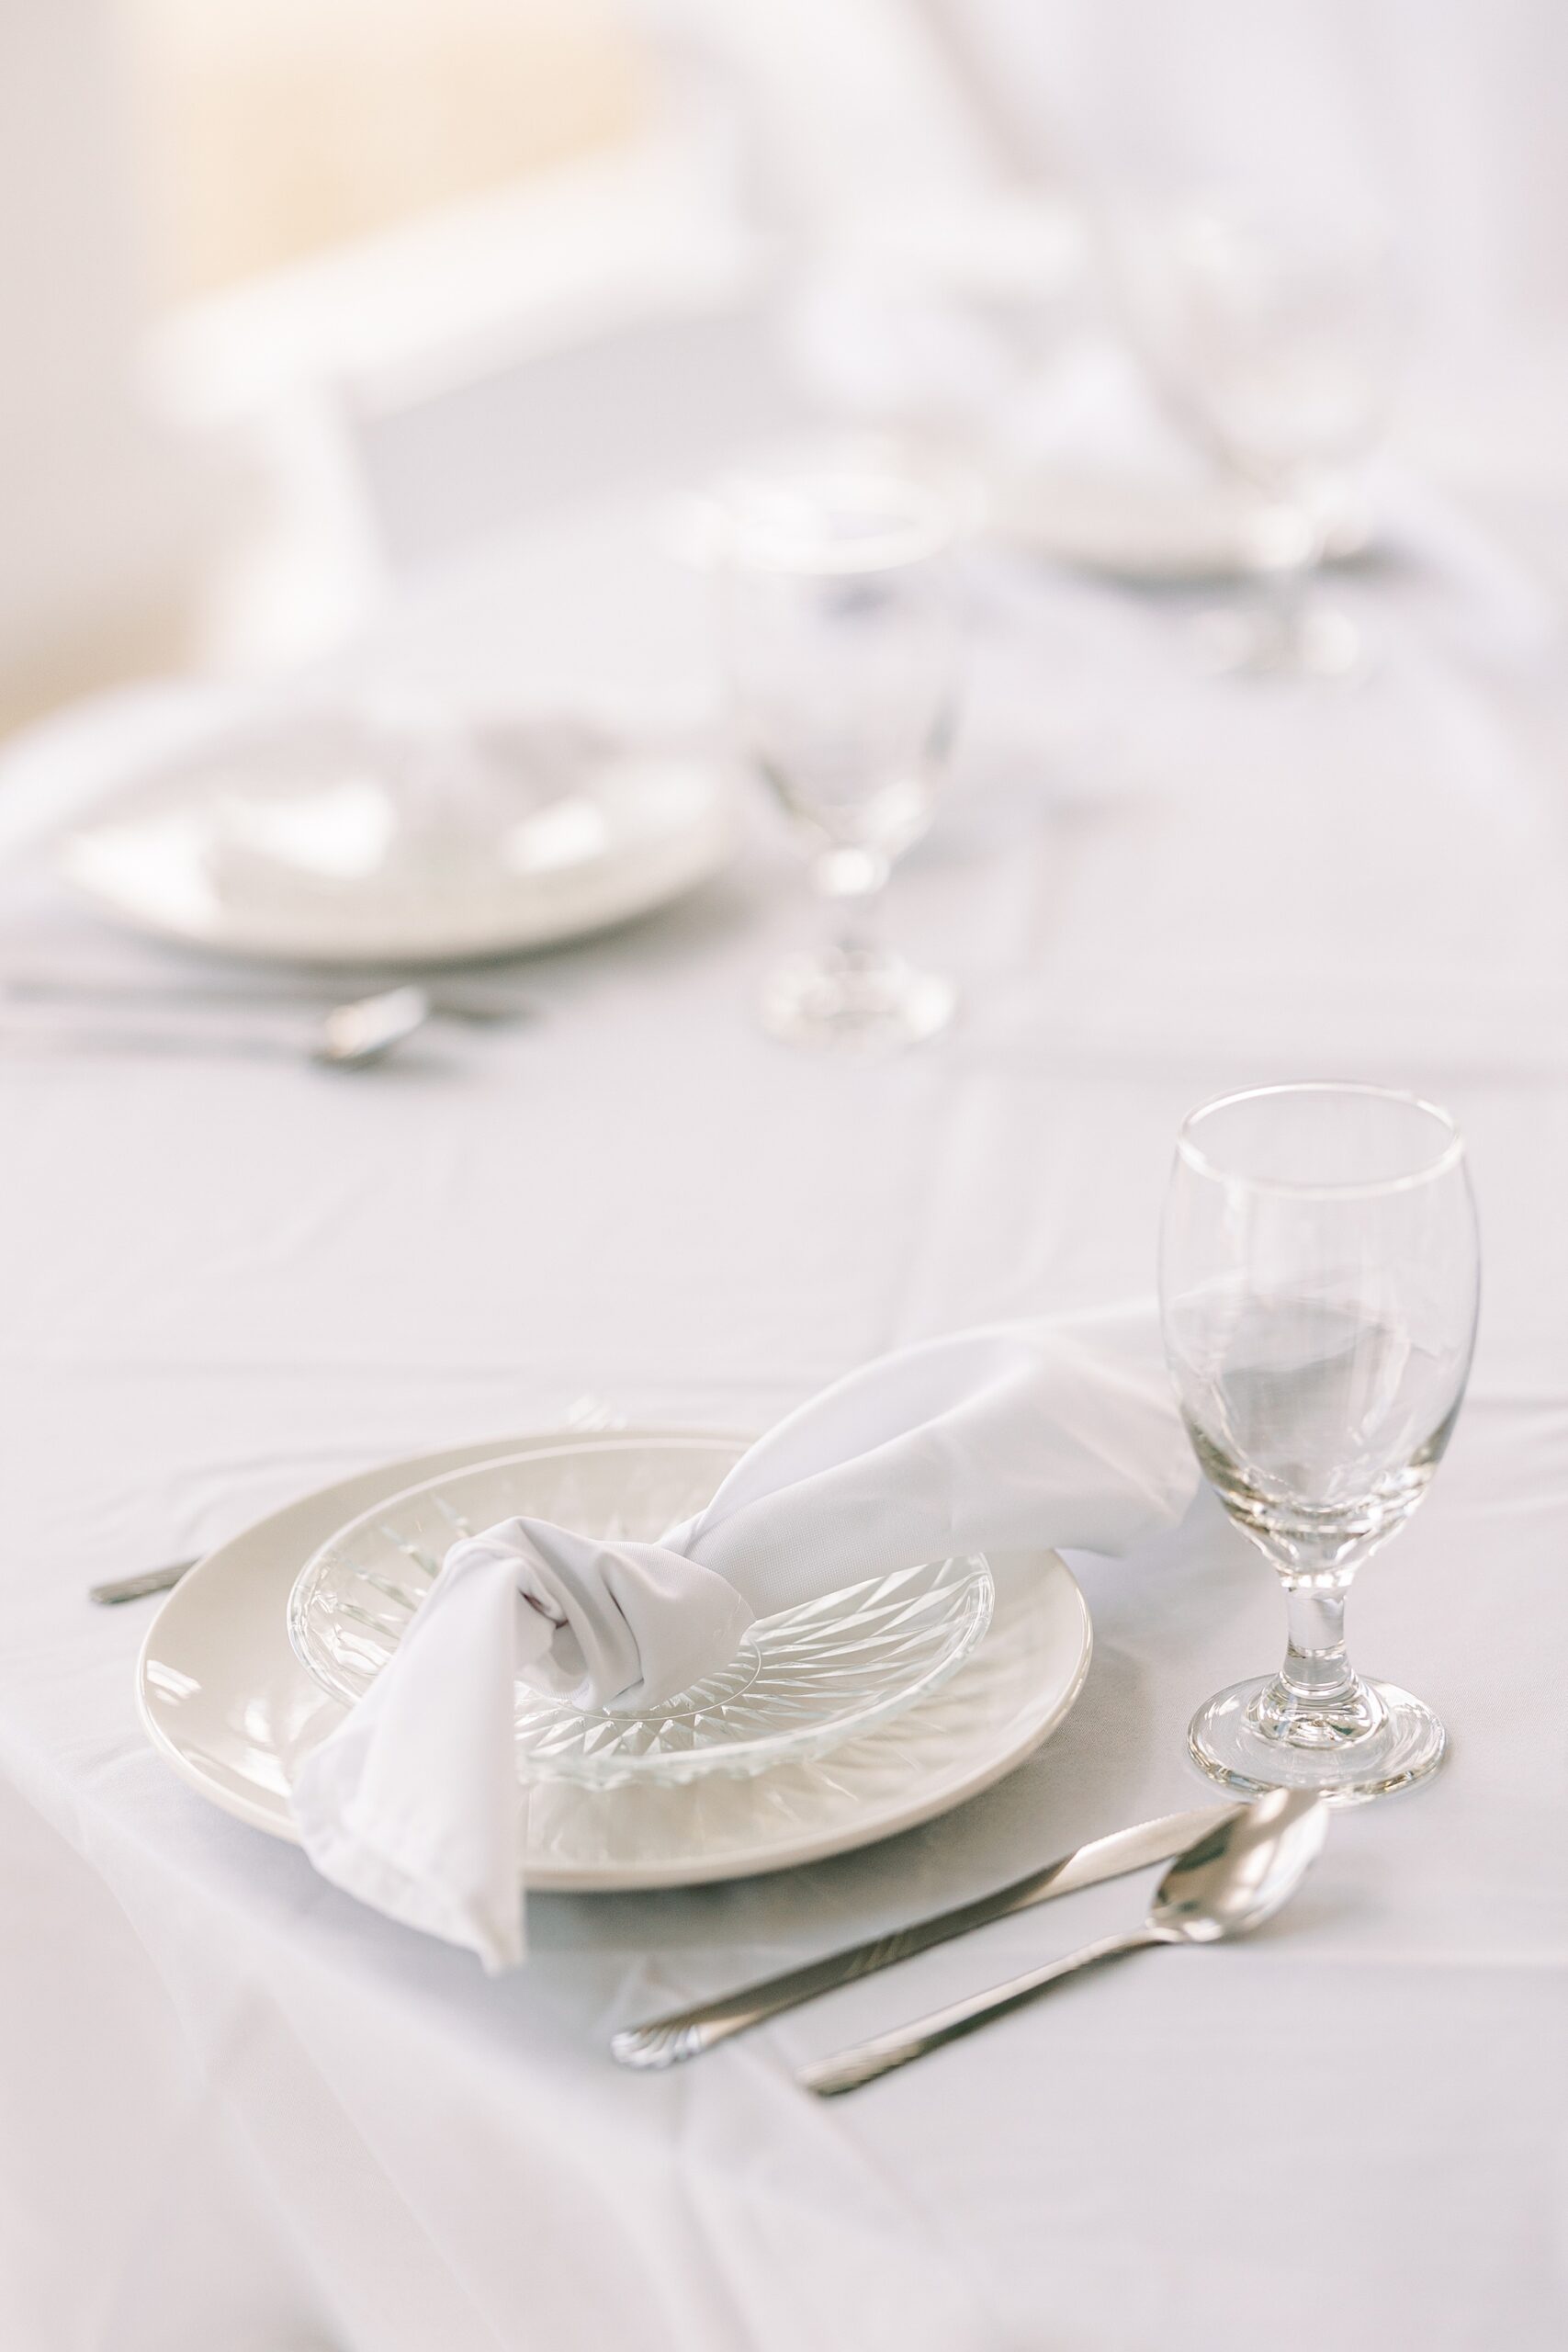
x: 1020, y: 1437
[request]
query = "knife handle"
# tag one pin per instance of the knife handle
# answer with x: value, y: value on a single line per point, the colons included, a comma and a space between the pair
x: 664, y: 2042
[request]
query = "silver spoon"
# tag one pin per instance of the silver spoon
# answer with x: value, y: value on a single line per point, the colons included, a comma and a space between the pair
x: 350, y: 1036
x: 1229, y: 1882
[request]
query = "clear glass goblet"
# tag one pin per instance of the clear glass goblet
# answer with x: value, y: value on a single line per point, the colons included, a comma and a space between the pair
x: 1319, y: 1286
x: 842, y: 645
x: 1272, y: 336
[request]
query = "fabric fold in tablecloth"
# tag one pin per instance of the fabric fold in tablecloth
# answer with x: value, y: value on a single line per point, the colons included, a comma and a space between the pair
x: 1015, y: 1437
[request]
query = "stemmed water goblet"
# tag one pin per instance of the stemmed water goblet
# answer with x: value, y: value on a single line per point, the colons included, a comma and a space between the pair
x: 1319, y: 1286
x: 1270, y: 336
x: 842, y: 645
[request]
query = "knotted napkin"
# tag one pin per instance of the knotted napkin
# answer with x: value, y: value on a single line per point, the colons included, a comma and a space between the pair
x: 1019, y: 1437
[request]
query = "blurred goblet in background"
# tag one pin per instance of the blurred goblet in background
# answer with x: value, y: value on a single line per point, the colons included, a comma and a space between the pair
x: 842, y: 646
x: 1271, y: 338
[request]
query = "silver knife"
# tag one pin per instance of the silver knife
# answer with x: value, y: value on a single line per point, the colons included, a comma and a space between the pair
x: 134, y: 1587
x: 663, y: 2041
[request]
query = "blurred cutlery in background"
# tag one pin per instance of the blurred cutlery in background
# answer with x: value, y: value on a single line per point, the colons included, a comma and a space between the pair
x: 349, y: 1036
x: 119, y: 1589
x: 475, y: 1001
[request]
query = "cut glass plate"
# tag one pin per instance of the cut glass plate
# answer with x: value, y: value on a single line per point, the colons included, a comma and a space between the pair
x: 801, y: 1682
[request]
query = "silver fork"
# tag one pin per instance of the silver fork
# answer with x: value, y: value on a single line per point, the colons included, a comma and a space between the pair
x: 349, y: 1036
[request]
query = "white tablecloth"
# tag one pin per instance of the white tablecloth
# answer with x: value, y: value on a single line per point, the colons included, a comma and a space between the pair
x: 236, y: 2111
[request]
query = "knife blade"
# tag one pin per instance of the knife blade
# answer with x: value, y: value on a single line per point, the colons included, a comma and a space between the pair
x: 664, y: 2042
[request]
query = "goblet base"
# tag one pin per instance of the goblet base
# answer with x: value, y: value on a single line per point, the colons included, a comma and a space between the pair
x: 1374, y: 1740
x: 860, y: 1002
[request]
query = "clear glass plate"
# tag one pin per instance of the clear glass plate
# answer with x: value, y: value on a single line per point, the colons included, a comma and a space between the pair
x: 801, y: 1682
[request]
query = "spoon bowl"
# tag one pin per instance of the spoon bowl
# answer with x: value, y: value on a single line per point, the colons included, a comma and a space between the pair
x: 1242, y: 1872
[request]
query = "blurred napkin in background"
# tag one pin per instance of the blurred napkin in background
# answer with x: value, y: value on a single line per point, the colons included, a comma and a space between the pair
x: 1021, y: 1437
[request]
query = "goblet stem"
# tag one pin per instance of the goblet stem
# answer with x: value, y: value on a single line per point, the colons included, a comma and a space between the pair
x: 1316, y: 1701
x: 852, y: 883
x: 1297, y: 541
x: 856, y: 992
x: 1289, y: 586
x: 1296, y: 636
x: 1316, y: 1666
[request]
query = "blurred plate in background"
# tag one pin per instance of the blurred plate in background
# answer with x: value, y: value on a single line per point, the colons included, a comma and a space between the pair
x: 341, y: 837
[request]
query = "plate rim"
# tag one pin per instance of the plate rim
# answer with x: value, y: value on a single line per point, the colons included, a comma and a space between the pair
x: 270, y: 1818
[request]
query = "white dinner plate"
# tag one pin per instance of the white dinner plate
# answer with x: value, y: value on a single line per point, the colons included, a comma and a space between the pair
x: 276, y: 835
x: 226, y: 1702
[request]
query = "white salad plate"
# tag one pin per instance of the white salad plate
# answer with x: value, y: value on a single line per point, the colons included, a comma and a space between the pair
x: 328, y: 836
x: 226, y: 1700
